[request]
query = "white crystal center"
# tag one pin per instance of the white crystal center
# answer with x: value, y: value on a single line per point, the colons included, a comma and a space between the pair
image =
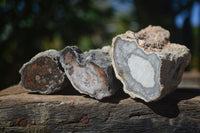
x: 141, y: 70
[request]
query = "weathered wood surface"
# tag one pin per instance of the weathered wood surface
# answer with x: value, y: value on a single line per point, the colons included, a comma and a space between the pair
x: 23, y: 112
x: 190, y: 80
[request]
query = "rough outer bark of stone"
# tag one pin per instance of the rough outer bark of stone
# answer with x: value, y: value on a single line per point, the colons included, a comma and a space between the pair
x: 22, y: 112
x: 150, y: 68
x: 43, y: 73
x: 91, y: 72
x: 154, y: 38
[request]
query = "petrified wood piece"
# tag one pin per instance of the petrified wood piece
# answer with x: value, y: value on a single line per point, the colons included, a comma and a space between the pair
x: 91, y: 72
x: 151, y: 67
x: 22, y: 112
x: 43, y: 73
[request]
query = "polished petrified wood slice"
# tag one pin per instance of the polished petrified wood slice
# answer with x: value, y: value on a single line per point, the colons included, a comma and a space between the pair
x: 43, y: 73
x: 91, y: 72
x: 148, y: 65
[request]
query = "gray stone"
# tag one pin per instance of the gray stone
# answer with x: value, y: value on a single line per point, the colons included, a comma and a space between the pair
x: 91, y: 72
x: 150, y: 68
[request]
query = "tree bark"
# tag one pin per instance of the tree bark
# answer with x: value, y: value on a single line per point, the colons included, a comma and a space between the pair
x: 149, y: 66
x: 22, y: 112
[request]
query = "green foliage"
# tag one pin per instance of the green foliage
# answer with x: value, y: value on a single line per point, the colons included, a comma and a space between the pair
x: 85, y: 43
x: 31, y: 26
x: 28, y: 27
x: 2, y: 3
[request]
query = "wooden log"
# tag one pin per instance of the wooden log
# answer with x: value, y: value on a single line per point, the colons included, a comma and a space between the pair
x: 43, y: 73
x: 149, y: 68
x: 190, y: 80
x: 22, y: 112
x: 91, y: 72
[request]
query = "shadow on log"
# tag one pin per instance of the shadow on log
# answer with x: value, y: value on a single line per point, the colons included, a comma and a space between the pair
x: 168, y: 106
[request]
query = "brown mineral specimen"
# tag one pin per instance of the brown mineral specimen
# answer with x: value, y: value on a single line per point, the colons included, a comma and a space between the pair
x: 43, y: 73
